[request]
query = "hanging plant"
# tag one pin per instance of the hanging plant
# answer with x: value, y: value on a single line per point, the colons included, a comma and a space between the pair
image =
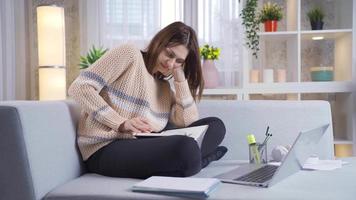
x: 251, y: 23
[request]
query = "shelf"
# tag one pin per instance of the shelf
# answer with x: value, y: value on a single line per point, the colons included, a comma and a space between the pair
x: 342, y: 141
x: 302, y: 87
x: 284, y: 88
x: 221, y: 91
x: 327, y: 34
x: 284, y: 35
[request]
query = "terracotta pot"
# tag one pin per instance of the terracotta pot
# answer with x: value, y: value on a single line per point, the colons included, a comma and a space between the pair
x: 210, y: 74
x: 271, y: 26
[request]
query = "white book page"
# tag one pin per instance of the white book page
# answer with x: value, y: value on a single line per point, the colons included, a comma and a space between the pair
x: 196, y: 132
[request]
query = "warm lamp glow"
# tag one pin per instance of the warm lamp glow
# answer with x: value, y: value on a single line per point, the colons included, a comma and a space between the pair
x: 51, y: 53
x: 52, y: 83
x: 51, y: 36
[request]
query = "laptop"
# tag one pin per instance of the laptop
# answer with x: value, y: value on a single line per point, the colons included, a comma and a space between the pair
x: 266, y: 175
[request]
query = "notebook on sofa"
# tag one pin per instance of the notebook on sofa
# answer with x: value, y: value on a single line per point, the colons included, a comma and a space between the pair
x: 177, y: 186
x: 196, y: 132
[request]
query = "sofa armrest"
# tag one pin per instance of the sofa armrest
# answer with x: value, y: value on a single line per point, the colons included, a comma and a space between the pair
x: 15, y: 176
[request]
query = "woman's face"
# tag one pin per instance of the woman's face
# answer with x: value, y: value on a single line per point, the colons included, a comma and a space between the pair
x: 169, y: 58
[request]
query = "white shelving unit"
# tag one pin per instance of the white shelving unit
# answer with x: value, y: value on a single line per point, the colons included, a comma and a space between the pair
x: 292, y: 48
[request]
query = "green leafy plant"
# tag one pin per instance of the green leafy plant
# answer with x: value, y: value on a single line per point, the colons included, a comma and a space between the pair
x: 270, y: 11
x: 93, y: 55
x: 209, y: 52
x: 316, y: 14
x: 251, y: 23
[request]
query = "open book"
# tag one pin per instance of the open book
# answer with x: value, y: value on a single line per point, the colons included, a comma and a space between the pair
x: 196, y: 132
x: 176, y: 186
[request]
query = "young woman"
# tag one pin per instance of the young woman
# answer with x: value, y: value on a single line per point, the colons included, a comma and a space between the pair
x: 127, y: 91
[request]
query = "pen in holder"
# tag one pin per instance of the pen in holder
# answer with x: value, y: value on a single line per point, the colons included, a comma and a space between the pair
x: 258, y: 151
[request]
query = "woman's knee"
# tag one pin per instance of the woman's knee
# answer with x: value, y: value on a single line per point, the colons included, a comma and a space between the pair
x: 188, y: 155
x: 217, y: 125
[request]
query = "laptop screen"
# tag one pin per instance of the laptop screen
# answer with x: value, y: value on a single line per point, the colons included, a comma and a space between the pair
x: 304, y: 146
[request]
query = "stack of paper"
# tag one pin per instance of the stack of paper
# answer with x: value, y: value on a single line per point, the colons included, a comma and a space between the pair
x: 185, y: 187
x: 313, y: 163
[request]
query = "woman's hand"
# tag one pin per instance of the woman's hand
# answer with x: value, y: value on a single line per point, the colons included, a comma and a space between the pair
x: 136, y: 125
x: 178, y: 74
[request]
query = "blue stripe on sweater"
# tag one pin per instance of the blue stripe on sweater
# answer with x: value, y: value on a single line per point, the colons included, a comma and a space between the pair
x: 94, y: 77
x: 119, y: 94
x: 99, y: 110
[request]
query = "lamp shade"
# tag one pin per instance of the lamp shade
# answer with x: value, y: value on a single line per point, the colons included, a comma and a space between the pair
x: 51, y: 36
x: 51, y: 53
x: 52, y: 82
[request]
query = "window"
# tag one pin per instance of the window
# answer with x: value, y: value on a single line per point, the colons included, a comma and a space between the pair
x: 219, y: 25
x: 120, y: 21
x: 113, y: 22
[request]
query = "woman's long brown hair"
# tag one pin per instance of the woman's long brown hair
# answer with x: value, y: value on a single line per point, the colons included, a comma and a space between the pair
x: 175, y: 34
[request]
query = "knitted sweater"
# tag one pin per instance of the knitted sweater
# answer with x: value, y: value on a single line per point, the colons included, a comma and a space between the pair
x: 118, y: 87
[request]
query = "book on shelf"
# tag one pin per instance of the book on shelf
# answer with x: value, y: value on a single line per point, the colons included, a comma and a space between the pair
x: 178, y: 186
x: 196, y: 132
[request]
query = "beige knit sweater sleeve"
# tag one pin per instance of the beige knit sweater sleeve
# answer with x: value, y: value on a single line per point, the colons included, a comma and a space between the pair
x: 86, y: 88
x: 184, y: 109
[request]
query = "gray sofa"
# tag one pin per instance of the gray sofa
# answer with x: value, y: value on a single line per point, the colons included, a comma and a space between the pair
x: 40, y: 159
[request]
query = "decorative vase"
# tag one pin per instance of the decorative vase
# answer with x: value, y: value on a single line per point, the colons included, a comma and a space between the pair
x: 210, y: 74
x: 318, y: 25
x: 271, y: 25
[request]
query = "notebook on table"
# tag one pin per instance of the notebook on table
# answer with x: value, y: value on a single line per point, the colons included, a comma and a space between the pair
x: 266, y: 175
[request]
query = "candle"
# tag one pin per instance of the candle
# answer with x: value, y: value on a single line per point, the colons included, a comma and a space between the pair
x: 254, y: 76
x: 268, y: 75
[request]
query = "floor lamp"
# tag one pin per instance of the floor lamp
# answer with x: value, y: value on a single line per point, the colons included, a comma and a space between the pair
x: 51, y: 52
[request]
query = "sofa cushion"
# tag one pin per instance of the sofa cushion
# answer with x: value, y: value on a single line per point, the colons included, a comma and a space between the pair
x: 94, y: 186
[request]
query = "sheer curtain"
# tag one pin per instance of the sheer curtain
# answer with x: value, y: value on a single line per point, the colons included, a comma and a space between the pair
x: 13, y: 64
x: 219, y: 25
x: 110, y: 23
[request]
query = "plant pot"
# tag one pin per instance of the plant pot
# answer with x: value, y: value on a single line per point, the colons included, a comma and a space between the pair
x: 210, y: 74
x: 317, y: 25
x: 271, y: 25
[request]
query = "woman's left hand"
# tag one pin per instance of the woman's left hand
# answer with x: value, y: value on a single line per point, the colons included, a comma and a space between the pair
x: 178, y: 74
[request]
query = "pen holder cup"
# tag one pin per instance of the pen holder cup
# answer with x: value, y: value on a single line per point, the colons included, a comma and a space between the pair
x: 258, y: 153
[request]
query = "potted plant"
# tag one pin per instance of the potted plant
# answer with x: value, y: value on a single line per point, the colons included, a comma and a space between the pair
x: 270, y: 14
x: 316, y: 16
x: 210, y: 73
x: 93, y: 55
x: 251, y: 24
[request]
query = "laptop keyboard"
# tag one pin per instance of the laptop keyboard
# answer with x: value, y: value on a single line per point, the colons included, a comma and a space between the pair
x: 260, y: 175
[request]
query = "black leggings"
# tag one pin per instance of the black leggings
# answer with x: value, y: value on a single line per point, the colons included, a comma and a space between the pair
x: 159, y: 156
